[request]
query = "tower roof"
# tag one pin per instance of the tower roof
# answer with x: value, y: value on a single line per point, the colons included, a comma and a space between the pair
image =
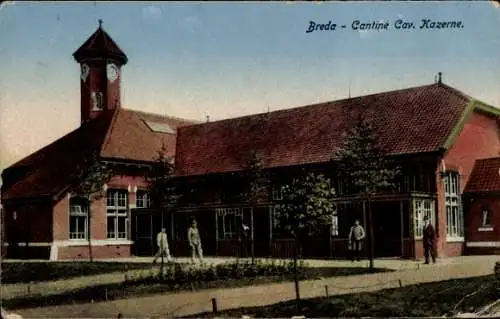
x: 100, y: 45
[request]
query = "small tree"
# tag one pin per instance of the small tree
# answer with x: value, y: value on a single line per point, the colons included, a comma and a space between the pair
x: 161, y: 185
x: 256, y: 187
x: 89, y: 183
x: 308, y: 207
x: 367, y: 168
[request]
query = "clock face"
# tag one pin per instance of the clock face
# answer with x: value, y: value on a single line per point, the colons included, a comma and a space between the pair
x: 112, y: 72
x: 84, y: 72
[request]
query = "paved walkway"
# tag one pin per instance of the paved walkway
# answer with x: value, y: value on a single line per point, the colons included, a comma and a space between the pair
x: 9, y: 291
x: 187, y: 303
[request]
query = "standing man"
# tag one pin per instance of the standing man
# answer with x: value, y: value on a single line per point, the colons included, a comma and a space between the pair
x: 162, y: 242
x: 244, y: 239
x: 429, y: 239
x: 195, y: 242
x: 356, y: 236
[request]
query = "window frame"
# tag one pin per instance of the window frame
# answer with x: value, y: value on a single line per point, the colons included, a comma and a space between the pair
x: 144, y: 197
x: 118, y: 210
x: 427, y: 207
x: 78, y: 215
x: 226, y: 229
x: 453, y: 208
x: 97, y: 101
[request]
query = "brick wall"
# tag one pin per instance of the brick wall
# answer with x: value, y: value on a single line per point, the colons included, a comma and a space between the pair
x: 98, y: 252
x: 478, y: 139
x: 476, y: 232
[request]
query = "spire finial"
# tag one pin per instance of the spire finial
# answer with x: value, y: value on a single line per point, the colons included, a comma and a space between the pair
x: 100, y: 23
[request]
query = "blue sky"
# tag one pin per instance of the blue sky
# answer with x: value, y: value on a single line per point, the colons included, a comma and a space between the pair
x: 230, y: 59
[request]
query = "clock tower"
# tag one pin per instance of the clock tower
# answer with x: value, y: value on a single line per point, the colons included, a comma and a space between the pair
x: 100, y: 61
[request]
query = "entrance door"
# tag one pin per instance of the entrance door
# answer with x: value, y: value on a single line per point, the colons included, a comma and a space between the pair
x: 261, y: 231
x: 144, y: 235
x: 387, y: 229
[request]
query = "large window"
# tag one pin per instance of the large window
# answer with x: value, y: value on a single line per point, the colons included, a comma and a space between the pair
x: 78, y: 219
x: 228, y: 221
x: 421, y: 209
x: 454, y: 214
x: 143, y: 199
x: 117, y: 213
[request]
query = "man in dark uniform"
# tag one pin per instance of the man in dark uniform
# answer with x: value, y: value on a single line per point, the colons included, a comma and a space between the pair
x: 429, y: 239
x: 244, y: 234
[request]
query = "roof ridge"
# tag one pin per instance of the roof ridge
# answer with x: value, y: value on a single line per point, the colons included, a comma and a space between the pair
x: 165, y: 116
x: 390, y: 92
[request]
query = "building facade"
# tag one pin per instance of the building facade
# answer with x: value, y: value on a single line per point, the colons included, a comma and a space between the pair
x: 435, y: 132
x: 42, y: 216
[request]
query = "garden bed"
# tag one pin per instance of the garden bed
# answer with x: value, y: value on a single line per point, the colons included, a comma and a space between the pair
x: 423, y: 300
x: 179, y: 278
x: 25, y: 272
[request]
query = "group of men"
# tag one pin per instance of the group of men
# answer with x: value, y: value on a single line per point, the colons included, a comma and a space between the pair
x: 355, y: 242
x: 357, y: 236
x: 194, y: 242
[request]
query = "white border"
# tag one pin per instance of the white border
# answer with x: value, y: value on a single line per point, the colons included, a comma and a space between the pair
x: 483, y: 244
x: 72, y: 243
x: 455, y: 239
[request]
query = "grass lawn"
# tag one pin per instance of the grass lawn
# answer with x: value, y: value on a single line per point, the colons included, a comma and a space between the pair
x: 423, y: 300
x: 24, y: 272
x: 148, y: 286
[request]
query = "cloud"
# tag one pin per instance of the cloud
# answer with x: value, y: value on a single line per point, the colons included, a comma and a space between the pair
x: 151, y: 12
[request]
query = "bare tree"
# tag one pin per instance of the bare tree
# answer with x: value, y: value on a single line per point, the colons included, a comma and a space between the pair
x: 88, y: 184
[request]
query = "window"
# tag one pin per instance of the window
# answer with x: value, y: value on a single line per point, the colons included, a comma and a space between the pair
x: 143, y: 199
x: 117, y: 214
x: 485, y: 218
x: 159, y: 127
x: 78, y: 219
x: 454, y: 213
x: 228, y: 221
x: 422, y: 208
x: 277, y: 192
x: 97, y: 101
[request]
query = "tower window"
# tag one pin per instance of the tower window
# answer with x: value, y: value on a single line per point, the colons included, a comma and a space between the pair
x: 97, y: 101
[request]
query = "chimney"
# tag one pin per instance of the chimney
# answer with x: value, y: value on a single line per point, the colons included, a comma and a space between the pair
x: 440, y: 80
x: 208, y: 118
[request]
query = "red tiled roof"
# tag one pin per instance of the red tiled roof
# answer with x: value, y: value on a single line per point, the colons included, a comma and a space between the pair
x: 120, y: 134
x: 418, y: 119
x: 485, y: 176
x: 100, y: 44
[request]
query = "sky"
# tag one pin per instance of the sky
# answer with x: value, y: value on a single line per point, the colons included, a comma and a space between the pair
x: 221, y: 59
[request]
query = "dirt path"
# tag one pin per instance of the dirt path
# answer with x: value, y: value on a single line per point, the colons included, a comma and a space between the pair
x: 180, y: 304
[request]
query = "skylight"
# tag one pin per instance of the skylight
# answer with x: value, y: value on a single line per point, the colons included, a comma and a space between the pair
x: 159, y: 127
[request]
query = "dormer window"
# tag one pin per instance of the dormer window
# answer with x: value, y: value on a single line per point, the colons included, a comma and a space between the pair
x: 97, y: 101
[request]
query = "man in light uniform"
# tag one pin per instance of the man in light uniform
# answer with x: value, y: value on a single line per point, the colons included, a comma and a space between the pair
x: 195, y: 242
x: 162, y: 242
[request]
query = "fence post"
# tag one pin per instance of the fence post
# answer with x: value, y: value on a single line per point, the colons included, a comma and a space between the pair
x: 214, y: 305
x: 326, y: 290
x: 400, y: 283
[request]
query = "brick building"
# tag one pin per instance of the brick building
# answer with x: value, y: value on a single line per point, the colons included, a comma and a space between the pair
x: 42, y: 217
x: 482, y: 202
x: 434, y: 131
